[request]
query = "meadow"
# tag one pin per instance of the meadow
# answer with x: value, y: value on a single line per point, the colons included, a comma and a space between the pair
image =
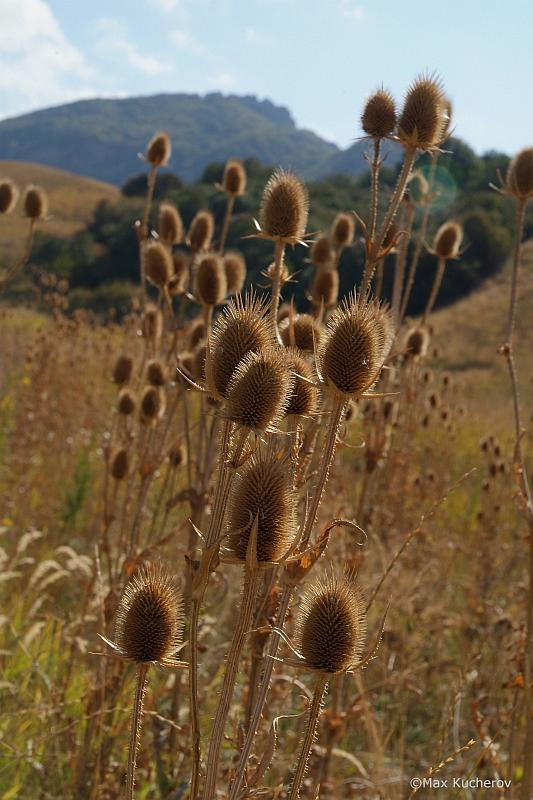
x: 250, y: 549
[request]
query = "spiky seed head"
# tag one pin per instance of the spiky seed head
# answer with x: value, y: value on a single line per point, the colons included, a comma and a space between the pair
x: 302, y: 331
x: 177, y: 455
x: 9, y: 194
x: 180, y: 262
x: 201, y: 231
x: 262, y: 491
x: 241, y: 328
x: 169, y: 224
x: 122, y: 369
x: 357, y: 341
x: 284, y: 207
x: 149, y: 621
x: 211, y: 285
x: 304, y: 399
x: 35, y: 203
x: 234, y: 180
x: 119, y: 464
x: 156, y: 373
x: 198, y: 361
x: 417, y: 342
x: 321, y: 253
x: 259, y: 390
x: 379, y: 116
x: 448, y: 240
x: 152, y: 323
x: 126, y: 402
x: 519, y: 182
x: 159, y: 149
x: 158, y: 264
x: 196, y: 332
x: 235, y: 268
x: 152, y: 405
x: 325, y: 288
x: 331, y: 625
x: 424, y: 116
x: 343, y: 229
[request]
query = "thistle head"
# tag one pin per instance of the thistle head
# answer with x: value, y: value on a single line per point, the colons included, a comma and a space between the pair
x: 119, y: 464
x: 302, y: 331
x: 169, y: 224
x: 35, y: 203
x: 122, y: 369
x: 177, y: 455
x: 152, y: 406
x: 342, y: 230
x: 158, y: 264
x: 152, y: 323
x: 235, y: 269
x: 210, y: 280
x: 126, y: 402
x: 519, y: 180
x: 9, y: 194
x: 156, y: 373
x: 284, y: 208
x: 325, y: 288
x: 379, y: 116
x: 259, y: 390
x: 424, y: 119
x: 234, y: 179
x: 304, y: 399
x: 159, y: 149
x: 321, y: 252
x: 201, y: 231
x: 448, y: 240
x: 417, y: 342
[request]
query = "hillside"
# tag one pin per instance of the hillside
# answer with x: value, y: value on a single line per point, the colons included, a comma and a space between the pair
x: 102, y: 138
x: 72, y: 200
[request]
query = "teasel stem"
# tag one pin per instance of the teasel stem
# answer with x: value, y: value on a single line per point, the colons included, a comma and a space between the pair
x: 276, y: 288
x: 441, y: 265
x: 251, y: 586
x: 226, y: 223
x: 336, y: 704
x: 378, y: 289
x: 143, y: 234
x: 374, y: 167
x: 135, y: 734
x: 309, y: 736
x: 401, y: 260
x: 15, y: 269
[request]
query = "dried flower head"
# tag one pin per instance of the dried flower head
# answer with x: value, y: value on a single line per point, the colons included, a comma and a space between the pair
x: 519, y: 181
x: 152, y: 405
x: 9, y: 194
x: 321, y: 253
x: 35, y: 203
x: 152, y: 323
x: 342, y: 230
x: 259, y: 390
x: 158, y: 264
x: 177, y: 455
x: 122, y: 369
x: 235, y: 268
x: 424, y: 118
x: 352, y: 353
x: 169, y: 224
x: 119, y: 464
x: 262, y: 493
x: 149, y: 619
x: 302, y: 331
x: 448, y: 240
x: 284, y: 208
x: 234, y: 180
x: 325, y: 288
x: 201, y: 231
x: 180, y: 261
x: 126, y: 402
x: 331, y: 625
x: 417, y: 342
x: 156, y: 373
x: 379, y: 116
x: 159, y: 149
x: 210, y: 280
x: 304, y: 399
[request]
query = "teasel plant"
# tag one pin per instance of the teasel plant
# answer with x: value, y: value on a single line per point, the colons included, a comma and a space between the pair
x: 446, y: 246
x: 35, y: 209
x: 157, y: 155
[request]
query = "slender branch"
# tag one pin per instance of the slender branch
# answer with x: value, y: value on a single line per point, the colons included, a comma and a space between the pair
x: 375, y: 166
x: 136, y: 722
x: 441, y: 265
x: 276, y: 288
x: 401, y: 259
x: 226, y: 223
x: 309, y: 736
x: 13, y: 271
x: 143, y: 231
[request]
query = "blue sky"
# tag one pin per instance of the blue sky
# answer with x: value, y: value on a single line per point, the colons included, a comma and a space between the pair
x: 320, y: 58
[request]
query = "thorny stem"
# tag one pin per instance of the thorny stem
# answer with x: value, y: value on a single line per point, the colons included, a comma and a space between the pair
x: 276, y: 288
x: 143, y: 233
x: 374, y: 167
x: 251, y: 583
x: 434, y: 289
x: 226, y: 223
x: 15, y: 269
x: 309, y: 736
x: 401, y: 259
x: 135, y: 733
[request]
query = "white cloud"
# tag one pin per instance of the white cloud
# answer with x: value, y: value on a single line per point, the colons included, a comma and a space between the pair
x: 38, y: 65
x: 250, y: 34
x: 166, y: 6
x: 351, y: 10
x: 224, y: 81
x: 185, y: 41
x: 114, y: 40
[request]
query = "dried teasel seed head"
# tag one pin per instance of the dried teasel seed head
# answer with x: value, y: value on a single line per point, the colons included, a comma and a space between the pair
x: 235, y: 268
x: 424, y: 118
x: 35, y: 203
x: 152, y: 404
x: 262, y: 492
x: 519, y: 180
x: 177, y: 455
x: 156, y: 373
x: 169, y: 224
x: 196, y: 332
x: 159, y: 149
x: 242, y: 328
x: 321, y: 253
x: 379, y: 116
x: 234, y: 180
x: 357, y: 341
x: 119, y: 464
x: 180, y: 261
x: 158, y: 264
x: 211, y: 285
x: 448, y: 240
x: 126, y: 402
x: 304, y: 399
x: 302, y: 331
x: 417, y: 342
x: 343, y: 230
x: 325, y: 288
x: 284, y: 208
x: 149, y: 619
x: 331, y: 625
x: 9, y: 194
x: 259, y: 390
x: 201, y: 231
x: 122, y: 369
x: 152, y: 323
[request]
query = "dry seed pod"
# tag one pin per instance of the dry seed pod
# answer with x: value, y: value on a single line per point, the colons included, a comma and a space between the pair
x: 302, y: 331
x: 259, y: 391
x: 152, y: 404
x: 9, y: 194
x: 35, y: 203
x: 126, y: 402
x: 122, y: 369
x: 325, y: 288
x: 201, y: 231
x: 284, y: 208
x: 152, y: 323
x: 180, y: 261
x: 379, y: 116
x: 342, y: 230
x: 424, y: 118
x: 234, y: 180
x: 331, y: 625
x: 448, y: 240
x: 241, y: 328
x: 262, y: 492
x: 304, y: 399
x: 169, y: 224
x: 149, y: 620
x: 210, y: 280
x: 357, y: 341
x: 156, y: 373
x: 519, y: 181
x: 158, y: 264
x: 417, y: 342
x: 321, y: 253
x: 158, y: 150
x: 235, y: 269
x: 119, y: 464
x: 177, y: 455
